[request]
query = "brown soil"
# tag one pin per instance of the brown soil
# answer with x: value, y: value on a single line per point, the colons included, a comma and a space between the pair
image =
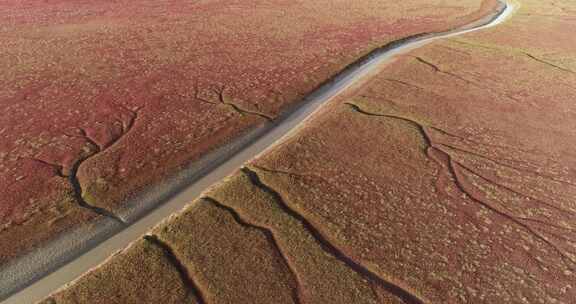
x: 145, y: 273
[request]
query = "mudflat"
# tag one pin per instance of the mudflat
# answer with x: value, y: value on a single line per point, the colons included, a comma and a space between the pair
x: 103, y: 100
x: 446, y: 179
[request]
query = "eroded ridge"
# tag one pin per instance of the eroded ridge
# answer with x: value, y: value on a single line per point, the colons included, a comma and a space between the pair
x: 402, y: 293
x: 220, y: 97
x: 183, y: 272
x: 92, y: 148
x: 524, y: 53
x: 296, y: 294
x: 459, y: 174
x: 436, y: 68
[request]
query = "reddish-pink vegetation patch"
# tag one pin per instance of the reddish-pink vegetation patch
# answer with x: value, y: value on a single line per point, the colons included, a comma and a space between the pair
x: 124, y: 91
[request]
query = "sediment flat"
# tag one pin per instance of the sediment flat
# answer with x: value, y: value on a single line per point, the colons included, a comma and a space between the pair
x: 161, y: 112
x: 436, y: 188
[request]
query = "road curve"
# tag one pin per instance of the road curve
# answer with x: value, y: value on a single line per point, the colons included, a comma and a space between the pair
x: 35, y: 276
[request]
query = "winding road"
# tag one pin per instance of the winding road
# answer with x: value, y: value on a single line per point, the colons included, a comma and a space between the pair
x: 34, y: 277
